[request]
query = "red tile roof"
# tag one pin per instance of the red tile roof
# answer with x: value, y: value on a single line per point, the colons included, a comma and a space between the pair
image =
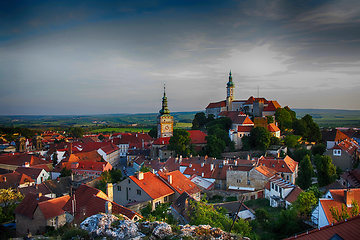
x: 92, y: 166
x: 197, y: 137
x: 152, y: 185
x: 251, y: 100
x: 348, y: 146
x: 348, y: 229
x: 29, y: 171
x: 333, y: 135
x: 245, y: 128
x: 337, y: 201
x: 108, y: 149
x: 28, y: 205
x: 268, y: 172
x: 21, y: 159
x: 273, y: 105
x: 180, y: 183
x: 293, y: 195
x: 272, y: 127
x: 280, y: 165
x: 237, y: 117
x: 162, y: 141
x: 53, y: 207
x: 217, y: 104
x: 14, y: 179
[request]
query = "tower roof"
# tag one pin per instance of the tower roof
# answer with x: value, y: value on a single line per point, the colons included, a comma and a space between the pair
x: 230, y: 82
x: 164, y: 109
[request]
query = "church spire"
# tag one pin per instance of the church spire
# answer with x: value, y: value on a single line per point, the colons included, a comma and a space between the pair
x: 230, y: 82
x: 164, y: 109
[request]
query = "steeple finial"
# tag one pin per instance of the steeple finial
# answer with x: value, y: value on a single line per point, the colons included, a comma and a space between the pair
x: 164, y: 109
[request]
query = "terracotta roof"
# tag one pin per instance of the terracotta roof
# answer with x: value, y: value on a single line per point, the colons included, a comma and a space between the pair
x: 95, y: 166
x: 280, y: 165
x: 272, y: 106
x: 30, y: 171
x: 251, y: 100
x: 268, y: 172
x: 162, y: 141
x: 237, y: 117
x: 36, y: 189
x: 348, y: 146
x: 336, y: 201
x: 21, y: 159
x: 217, y: 104
x: 152, y: 185
x: 273, y: 128
x: 245, y: 128
x: 348, y: 229
x: 333, y: 135
x: 197, y: 137
x: 108, y: 149
x: 93, y: 146
x: 353, y: 177
x: 180, y: 183
x: 134, y: 139
x: 293, y: 195
x: 53, y: 207
x: 14, y: 179
x: 28, y: 205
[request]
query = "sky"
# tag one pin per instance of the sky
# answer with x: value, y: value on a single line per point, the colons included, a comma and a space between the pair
x: 109, y: 57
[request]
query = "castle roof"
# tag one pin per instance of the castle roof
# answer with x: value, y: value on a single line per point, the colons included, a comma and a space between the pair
x: 217, y: 104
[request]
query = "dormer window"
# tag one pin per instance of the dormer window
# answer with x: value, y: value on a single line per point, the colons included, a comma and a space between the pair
x: 337, y: 152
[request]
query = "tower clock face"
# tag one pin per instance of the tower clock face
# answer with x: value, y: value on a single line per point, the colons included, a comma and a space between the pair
x: 166, y: 127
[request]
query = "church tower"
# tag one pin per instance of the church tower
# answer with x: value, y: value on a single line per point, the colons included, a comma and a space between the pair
x: 230, y: 93
x: 165, y: 121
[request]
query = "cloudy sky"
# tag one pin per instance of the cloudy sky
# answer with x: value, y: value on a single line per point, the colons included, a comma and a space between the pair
x: 94, y: 57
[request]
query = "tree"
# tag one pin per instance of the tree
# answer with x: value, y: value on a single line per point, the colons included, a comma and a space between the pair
x: 319, y: 149
x: 287, y: 223
x: 284, y: 118
x: 326, y: 171
x: 305, y: 203
x: 291, y: 140
x: 270, y: 119
x: 180, y: 142
x: 344, y: 214
x: 201, y: 213
x: 199, y: 121
x: 111, y: 176
x: 220, y: 133
x: 65, y: 172
x: 299, y: 154
x: 306, y: 171
x: 54, y: 158
x: 214, y: 146
x: 77, y: 132
x: 101, y: 137
x: 260, y: 138
x: 145, y: 169
x: 9, y: 199
x: 225, y: 122
x: 153, y: 132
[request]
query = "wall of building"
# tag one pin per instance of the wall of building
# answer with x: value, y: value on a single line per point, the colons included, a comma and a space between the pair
x: 128, y: 193
x: 240, y: 179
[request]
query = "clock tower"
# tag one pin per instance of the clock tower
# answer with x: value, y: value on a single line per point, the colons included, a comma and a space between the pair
x: 165, y: 121
x: 229, y: 93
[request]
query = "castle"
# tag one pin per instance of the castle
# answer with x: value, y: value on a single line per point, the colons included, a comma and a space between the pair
x: 257, y: 107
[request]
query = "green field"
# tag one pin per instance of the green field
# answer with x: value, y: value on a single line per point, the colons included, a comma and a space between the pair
x: 116, y: 130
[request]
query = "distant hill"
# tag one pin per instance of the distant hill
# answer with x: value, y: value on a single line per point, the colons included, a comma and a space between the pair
x: 323, y: 117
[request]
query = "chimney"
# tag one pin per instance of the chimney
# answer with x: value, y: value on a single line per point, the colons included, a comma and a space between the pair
x: 153, y: 171
x: 202, y: 164
x: 36, y: 186
x: 176, y: 159
x: 140, y: 175
x: 348, y: 197
x: 58, y: 179
x: 190, y: 165
x: 136, y: 135
x: 235, y: 162
x: 278, y: 155
x: 108, y: 207
x: 170, y: 179
x: 180, y: 159
x: 26, y: 164
x: 211, y: 167
x: 4, y: 179
x: 202, y: 174
x: 39, y: 195
x: 248, y: 157
x: 206, y: 157
x: 70, y: 149
x: 110, y: 192
x: 142, y: 143
x: 72, y: 176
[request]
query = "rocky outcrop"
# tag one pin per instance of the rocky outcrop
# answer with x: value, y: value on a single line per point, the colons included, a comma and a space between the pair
x: 107, y: 225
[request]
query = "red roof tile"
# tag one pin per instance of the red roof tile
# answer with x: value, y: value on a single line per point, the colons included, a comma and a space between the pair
x: 179, y: 182
x: 272, y: 127
x: 280, y: 165
x: 245, y: 128
x: 152, y: 185
x: 273, y: 105
x: 293, y: 195
x: 14, y: 179
x: 333, y: 135
x: 53, y: 207
x: 268, y: 172
x: 28, y: 205
x: 217, y: 104
x: 162, y: 141
x: 197, y: 137
x: 348, y: 146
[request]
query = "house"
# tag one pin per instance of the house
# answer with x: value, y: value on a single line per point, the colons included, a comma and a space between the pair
x: 248, y: 178
x: 110, y: 153
x: 128, y: 142
x: 348, y: 229
x: 351, y: 178
x: 179, y: 183
x: 287, y: 167
x: 21, y: 160
x: 90, y: 168
x: 143, y: 188
x: 281, y: 193
x: 274, y: 130
x: 159, y: 148
x: 331, y: 138
x: 344, y: 154
x: 15, y: 180
x: 87, y: 201
x: 7, y: 148
x: 198, y: 139
x: 180, y: 208
x: 233, y: 207
x: 39, y: 175
x: 35, y: 212
x: 321, y: 215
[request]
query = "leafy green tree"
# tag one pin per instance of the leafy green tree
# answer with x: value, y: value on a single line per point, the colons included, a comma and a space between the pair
x: 305, y: 203
x: 199, y: 121
x: 260, y: 138
x: 54, y: 158
x: 319, y: 149
x: 312, y: 131
x: 153, y: 132
x: 77, y: 132
x: 220, y: 133
x: 180, y: 143
x: 111, y: 176
x: 326, y: 171
x: 145, y: 169
x: 214, y: 146
x: 9, y: 199
x: 275, y: 141
x: 225, y: 122
x: 262, y: 215
x: 65, y: 172
x: 246, y: 146
x: 159, y: 214
x: 270, y: 119
x: 101, y: 137
x: 287, y: 223
x: 299, y: 127
x: 201, y: 213
x: 299, y: 154
x: 291, y: 112
x: 284, y: 118
x: 291, y: 140
x: 318, y: 194
x: 306, y: 171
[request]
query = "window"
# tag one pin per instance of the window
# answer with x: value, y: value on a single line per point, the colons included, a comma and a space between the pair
x: 157, y: 204
x: 129, y: 181
x: 53, y: 222
x: 138, y: 192
x: 337, y: 152
x: 272, y: 186
x: 165, y: 199
x: 287, y: 177
x: 248, y: 182
x: 238, y: 181
x: 276, y: 188
x: 119, y: 188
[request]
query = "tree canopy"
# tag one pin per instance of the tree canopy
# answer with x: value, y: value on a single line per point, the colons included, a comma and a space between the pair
x: 305, y: 203
x: 326, y: 170
x: 306, y: 171
x: 180, y: 143
x: 9, y: 199
x: 260, y: 138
